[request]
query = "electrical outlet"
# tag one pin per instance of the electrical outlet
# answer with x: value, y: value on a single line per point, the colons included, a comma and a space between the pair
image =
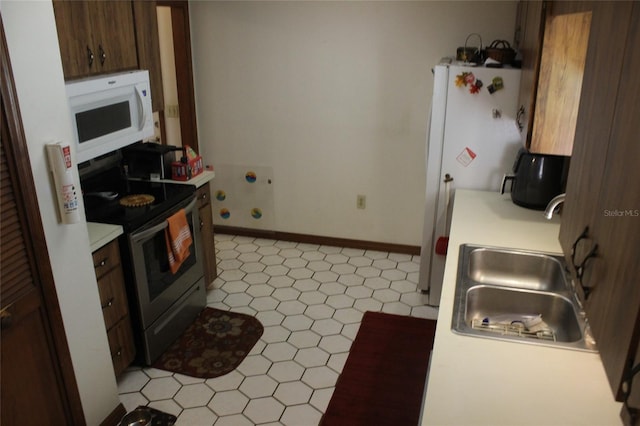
x: 172, y: 111
x: 361, y: 201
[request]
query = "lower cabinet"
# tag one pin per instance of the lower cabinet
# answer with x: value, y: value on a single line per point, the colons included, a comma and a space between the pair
x: 205, y: 212
x: 115, y: 308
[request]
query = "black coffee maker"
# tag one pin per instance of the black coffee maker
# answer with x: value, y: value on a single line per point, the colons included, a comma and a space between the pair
x: 536, y: 179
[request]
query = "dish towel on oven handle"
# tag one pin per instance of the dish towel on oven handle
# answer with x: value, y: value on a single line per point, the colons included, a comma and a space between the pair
x: 179, y: 239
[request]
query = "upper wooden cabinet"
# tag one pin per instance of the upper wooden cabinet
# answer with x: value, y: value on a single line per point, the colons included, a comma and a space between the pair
x: 100, y: 37
x: 553, y: 44
x: 95, y: 37
x: 564, y: 50
x: 601, y: 214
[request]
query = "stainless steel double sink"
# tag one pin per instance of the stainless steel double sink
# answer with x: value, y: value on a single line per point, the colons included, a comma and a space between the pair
x: 520, y: 296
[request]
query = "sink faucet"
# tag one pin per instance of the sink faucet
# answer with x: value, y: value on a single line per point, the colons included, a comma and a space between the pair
x: 555, y: 202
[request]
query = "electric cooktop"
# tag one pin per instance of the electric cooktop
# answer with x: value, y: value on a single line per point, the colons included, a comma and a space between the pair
x: 103, y: 193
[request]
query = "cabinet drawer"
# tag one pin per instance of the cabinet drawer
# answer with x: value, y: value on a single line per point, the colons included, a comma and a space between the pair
x: 106, y: 258
x: 113, y: 298
x: 203, y: 196
x: 121, y: 345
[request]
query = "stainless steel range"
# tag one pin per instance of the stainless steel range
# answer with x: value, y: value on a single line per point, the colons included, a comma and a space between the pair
x: 163, y: 304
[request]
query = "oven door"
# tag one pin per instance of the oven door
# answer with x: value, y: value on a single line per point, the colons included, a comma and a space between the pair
x: 157, y: 288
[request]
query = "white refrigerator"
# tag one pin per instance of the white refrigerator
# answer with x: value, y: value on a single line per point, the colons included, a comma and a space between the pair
x: 473, y: 138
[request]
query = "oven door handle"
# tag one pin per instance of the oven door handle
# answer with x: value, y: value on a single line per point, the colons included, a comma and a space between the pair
x: 141, y: 236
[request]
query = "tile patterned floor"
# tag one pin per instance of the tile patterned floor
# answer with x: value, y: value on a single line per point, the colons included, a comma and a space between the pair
x: 310, y: 300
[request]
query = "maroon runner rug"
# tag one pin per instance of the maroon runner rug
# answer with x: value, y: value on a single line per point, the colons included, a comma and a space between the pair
x: 213, y: 345
x: 382, y: 382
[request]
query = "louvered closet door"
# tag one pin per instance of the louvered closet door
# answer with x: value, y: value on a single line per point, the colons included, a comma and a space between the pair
x: 36, y: 386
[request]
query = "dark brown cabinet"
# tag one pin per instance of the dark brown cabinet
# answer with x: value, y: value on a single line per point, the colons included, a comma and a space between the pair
x: 98, y: 37
x: 206, y: 229
x: 115, y: 309
x: 601, y: 214
x: 95, y: 37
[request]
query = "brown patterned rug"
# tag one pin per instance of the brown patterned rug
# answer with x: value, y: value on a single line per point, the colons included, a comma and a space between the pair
x: 214, y: 345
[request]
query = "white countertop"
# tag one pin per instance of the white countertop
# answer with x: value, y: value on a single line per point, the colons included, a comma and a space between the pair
x: 101, y: 234
x: 198, y: 181
x: 477, y: 381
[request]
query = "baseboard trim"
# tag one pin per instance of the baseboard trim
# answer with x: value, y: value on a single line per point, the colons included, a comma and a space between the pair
x: 116, y: 415
x: 316, y: 239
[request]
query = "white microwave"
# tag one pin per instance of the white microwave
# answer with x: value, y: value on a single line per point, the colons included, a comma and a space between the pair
x: 109, y: 112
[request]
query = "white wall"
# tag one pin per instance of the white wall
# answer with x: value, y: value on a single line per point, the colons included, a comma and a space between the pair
x: 37, y: 70
x: 334, y: 97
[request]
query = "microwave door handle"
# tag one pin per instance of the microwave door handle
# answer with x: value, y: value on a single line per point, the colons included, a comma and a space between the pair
x: 141, y: 107
x: 141, y: 236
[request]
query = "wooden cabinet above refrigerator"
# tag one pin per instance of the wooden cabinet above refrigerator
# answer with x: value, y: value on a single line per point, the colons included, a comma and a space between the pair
x: 553, y: 43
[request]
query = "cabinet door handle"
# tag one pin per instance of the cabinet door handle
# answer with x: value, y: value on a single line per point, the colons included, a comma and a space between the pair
x: 103, y: 56
x: 582, y: 236
x: 203, y: 197
x: 108, y: 304
x: 580, y: 271
x: 580, y: 268
x: 201, y: 224
x: 627, y: 382
x: 101, y: 263
x: 89, y: 56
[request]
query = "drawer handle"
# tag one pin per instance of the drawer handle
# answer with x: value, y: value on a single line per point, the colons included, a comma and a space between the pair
x: 203, y: 196
x: 101, y: 263
x: 108, y: 304
x: 118, y: 353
